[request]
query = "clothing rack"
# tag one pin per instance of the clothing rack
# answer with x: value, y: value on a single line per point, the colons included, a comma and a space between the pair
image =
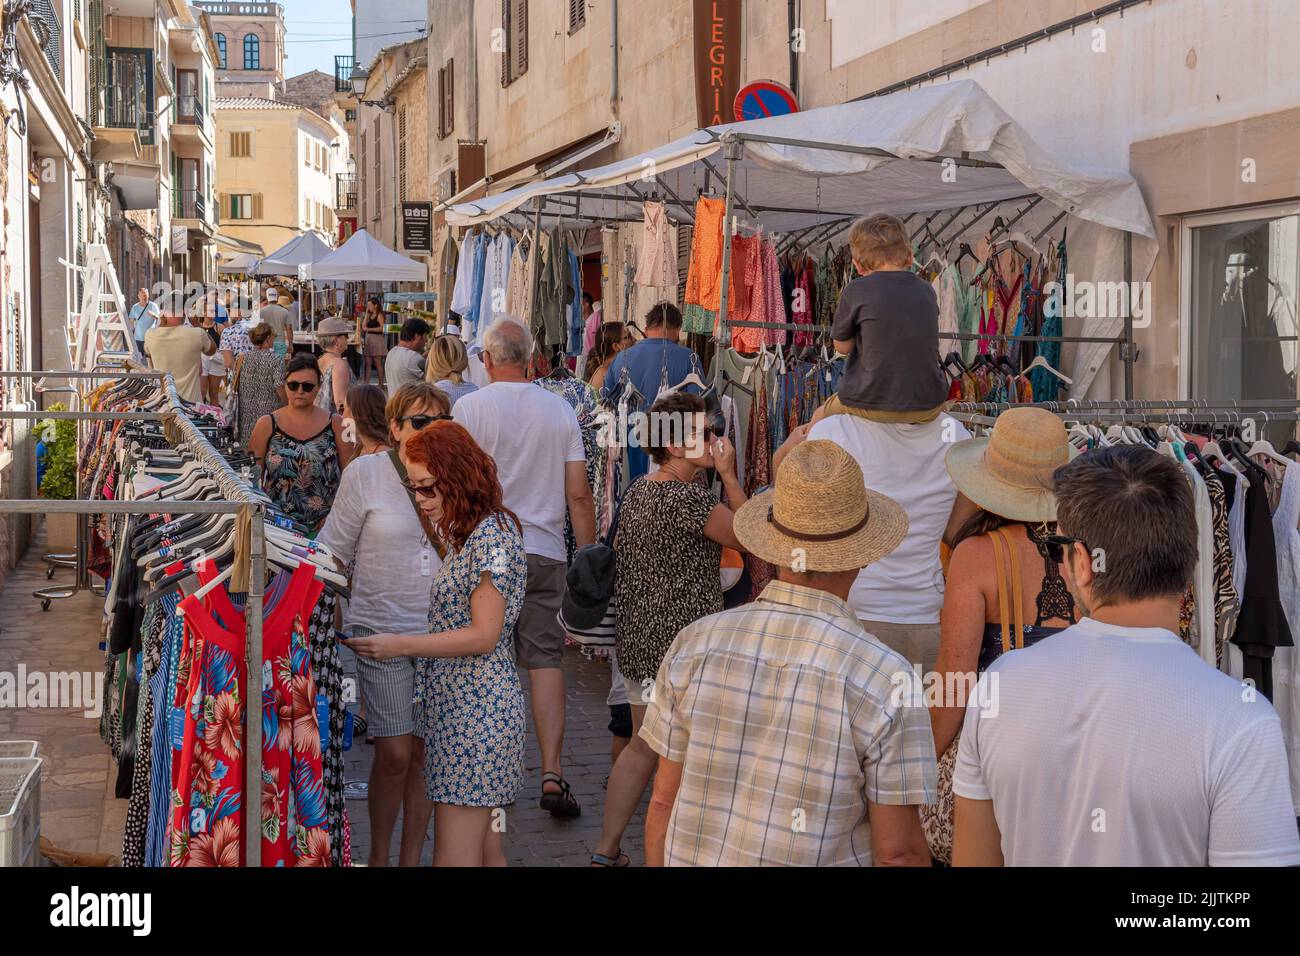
x: 239, y: 499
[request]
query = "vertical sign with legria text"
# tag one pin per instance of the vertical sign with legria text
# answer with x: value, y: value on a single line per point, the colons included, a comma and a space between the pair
x: 717, y: 59
x: 417, y: 226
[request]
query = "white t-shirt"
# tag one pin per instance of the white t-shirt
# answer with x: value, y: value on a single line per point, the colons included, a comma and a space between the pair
x: 1119, y: 746
x: 905, y: 462
x: 531, y: 434
x: 372, y: 526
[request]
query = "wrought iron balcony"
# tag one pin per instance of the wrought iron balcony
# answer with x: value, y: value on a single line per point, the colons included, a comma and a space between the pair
x: 345, y: 192
x: 188, y: 109
x: 188, y: 204
x: 343, y: 74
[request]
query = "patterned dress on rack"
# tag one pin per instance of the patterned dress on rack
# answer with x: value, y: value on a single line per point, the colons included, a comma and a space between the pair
x: 704, y: 275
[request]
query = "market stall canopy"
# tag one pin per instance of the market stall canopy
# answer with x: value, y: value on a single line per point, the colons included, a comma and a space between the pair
x: 301, y: 250
x: 881, y: 158
x: 237, y: 263
x: 363, y: 258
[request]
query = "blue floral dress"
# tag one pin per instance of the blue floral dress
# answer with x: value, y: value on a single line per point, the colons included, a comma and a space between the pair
x: 473, y: 707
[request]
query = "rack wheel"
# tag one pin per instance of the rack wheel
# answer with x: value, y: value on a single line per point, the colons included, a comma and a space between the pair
x: 45, y: 604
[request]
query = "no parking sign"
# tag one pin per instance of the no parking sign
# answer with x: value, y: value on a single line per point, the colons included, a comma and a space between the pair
x: 764, y: 98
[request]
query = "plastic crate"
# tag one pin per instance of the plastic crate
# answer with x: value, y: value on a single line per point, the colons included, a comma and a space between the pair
x: 20, y: 811
x: 17, y: 748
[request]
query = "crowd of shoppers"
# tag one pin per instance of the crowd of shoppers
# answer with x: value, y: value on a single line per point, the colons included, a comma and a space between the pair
x: 1073, y: 725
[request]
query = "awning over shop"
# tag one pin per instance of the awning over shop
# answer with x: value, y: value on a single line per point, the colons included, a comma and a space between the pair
x: 945, y: 153
x: 236, y: 245
x: 363, y: 258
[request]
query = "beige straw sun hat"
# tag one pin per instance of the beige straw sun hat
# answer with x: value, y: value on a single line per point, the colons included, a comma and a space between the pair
x: 1009, y: 473
x: 820, y: 517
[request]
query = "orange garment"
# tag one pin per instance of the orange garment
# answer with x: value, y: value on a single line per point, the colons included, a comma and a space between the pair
x: 704, y: 278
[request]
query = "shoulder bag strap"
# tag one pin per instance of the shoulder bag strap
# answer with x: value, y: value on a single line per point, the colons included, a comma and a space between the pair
x: 999, y: 564
x: 429, y: 533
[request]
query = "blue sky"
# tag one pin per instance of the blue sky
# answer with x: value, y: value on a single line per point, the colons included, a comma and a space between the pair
x: 317, y: 30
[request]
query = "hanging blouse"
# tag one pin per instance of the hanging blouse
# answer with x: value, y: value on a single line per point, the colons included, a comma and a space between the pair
x: 704, y: 277
x: 657, y: 265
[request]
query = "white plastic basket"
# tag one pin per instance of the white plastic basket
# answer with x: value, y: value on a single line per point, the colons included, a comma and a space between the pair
x: 17, y: 748
x: 20, y: 811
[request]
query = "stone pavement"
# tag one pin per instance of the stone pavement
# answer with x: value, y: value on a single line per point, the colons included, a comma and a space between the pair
x: 79, y: 812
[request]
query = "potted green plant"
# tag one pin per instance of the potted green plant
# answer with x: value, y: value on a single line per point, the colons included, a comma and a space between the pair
x: 60, y: 479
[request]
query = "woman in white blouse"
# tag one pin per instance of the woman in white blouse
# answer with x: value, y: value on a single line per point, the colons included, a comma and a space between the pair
x: 373, y: 530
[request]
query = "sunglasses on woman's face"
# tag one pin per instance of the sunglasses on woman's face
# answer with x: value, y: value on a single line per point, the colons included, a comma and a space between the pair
x: 424, y: 491
x: 421, y: 422
x: 300, y: 386
x: 1058, y: 545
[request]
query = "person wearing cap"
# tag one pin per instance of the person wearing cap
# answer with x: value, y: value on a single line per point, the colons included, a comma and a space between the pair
x: 277, y: 317
x: 1003, y: 591
x: 336, y: 374
x: 786, y: 734
x: 1113, y: 743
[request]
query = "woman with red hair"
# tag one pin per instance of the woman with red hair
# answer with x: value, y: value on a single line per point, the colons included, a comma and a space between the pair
x: 466, y: 685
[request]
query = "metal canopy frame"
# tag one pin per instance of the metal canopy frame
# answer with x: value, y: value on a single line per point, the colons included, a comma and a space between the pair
x: 733, y: 141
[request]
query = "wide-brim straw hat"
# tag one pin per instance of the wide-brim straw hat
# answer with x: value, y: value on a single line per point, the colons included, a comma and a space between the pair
x: 820, y: 516
x: 1009, y: 472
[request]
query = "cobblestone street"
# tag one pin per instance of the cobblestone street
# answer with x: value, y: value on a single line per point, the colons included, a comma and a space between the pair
x: 79, y: 812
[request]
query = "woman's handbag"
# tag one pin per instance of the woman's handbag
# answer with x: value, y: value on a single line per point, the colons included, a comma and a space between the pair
x: 936, y: 818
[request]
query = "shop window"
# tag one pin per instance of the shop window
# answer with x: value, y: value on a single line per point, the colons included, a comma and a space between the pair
x: 1240, y: 273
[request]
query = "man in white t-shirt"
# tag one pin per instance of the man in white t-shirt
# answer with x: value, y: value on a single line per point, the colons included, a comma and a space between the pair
x: 898, y: 598
x: 534, y: 438
x: 1112, y: 743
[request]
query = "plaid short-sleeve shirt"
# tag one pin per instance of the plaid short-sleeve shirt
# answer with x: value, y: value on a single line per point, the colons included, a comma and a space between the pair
x: 787, y: 718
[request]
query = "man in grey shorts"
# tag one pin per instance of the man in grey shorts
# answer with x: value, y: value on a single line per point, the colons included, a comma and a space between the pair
x: 533, y: 437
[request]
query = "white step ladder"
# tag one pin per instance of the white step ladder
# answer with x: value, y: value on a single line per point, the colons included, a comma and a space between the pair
x: 101, y: 327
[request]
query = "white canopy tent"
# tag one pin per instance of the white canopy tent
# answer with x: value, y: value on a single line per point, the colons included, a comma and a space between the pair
x: 238, y: 263
x: 364, y: 258
x: 931, y: 153
x: 303, y: 249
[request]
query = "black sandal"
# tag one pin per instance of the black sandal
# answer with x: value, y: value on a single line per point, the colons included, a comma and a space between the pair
x: 617, y: 861
x: 562, y: 804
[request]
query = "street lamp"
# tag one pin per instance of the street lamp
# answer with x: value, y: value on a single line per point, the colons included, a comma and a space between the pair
x: 359, y: 78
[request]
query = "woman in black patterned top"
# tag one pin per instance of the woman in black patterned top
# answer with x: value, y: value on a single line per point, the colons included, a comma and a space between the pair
x: 671, y: 532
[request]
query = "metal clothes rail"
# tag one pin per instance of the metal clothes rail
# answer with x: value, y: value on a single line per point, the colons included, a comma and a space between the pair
x: 239, y: 499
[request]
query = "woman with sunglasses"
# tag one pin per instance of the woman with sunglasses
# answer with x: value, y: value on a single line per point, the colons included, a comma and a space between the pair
x: 301, y: 448
x: 375, y: 532
x: 1006, y: 543
x: 472, y: 704
x: 668, y: 553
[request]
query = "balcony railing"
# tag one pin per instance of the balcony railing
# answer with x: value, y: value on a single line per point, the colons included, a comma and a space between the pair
x: 44, y: 19
x: 345, y: 192
x: 125, y: 108
x: 241, y: 9
x: 343, y: 74
x: 188, y: 204
x: 188, y: 109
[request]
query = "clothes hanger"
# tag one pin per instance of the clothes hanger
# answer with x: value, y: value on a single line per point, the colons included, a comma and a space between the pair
x: 1040, y: 362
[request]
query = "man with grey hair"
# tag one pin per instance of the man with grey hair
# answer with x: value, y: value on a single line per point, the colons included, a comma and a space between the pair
x: 277, y: 317
x: 177, y: 347
x: 533, y: 436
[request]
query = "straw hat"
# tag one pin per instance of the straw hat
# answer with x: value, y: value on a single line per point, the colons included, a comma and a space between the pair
x: 821, y: 513
x: 329, y: 327
x: 1010, y: 472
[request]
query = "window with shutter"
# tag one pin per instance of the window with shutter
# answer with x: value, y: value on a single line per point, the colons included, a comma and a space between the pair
x: 521, y: 37
x: 506, y: 76
x: 577, y: 15
x: 449, y: 98
x: 379, y: 166
x: 257, y: 205
x: 442, y: 102
x: 401, y: 153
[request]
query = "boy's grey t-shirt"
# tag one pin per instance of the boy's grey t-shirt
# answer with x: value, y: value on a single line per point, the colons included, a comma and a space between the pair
x: 893, y: 320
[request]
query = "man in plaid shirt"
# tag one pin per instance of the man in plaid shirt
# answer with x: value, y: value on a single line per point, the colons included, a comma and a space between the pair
x: 787, y: 735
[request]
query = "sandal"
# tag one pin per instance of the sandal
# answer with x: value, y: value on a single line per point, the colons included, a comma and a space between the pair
x: 562, y: 804
x: 617, y: 861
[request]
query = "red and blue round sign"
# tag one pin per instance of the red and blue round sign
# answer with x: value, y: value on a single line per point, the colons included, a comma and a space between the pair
x: 764, y: 98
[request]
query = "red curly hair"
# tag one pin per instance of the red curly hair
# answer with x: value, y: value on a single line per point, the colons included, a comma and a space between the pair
x: 464, y: 473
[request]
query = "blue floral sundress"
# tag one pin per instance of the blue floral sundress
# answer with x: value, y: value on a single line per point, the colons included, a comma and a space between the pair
x: 472, y: 708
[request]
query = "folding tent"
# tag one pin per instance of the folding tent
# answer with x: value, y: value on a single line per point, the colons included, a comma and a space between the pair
x: 364, y: 258
x: 303, y: 249
x: 947, y: 154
